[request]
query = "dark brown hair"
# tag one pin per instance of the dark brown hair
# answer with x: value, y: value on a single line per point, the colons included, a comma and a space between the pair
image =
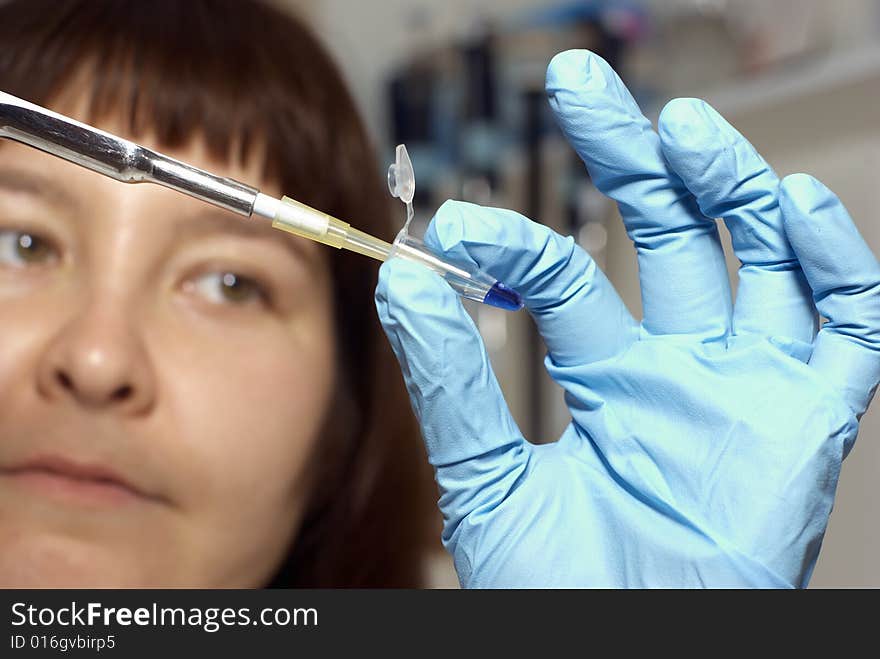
x: 238, y: 73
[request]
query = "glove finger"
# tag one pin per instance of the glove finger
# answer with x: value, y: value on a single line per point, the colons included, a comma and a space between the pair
x: 845, y: 279
x: 731, y: 180
x: 472, y: 440
x: 578, y: 312
x: 683, y: 276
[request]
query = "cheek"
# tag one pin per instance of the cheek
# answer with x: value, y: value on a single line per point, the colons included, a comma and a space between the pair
x: 247, y: 408
x: 256, y: 409
x: 27, y: 322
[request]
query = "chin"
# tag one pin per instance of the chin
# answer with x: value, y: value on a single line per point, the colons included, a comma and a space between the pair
x: 44, y: 560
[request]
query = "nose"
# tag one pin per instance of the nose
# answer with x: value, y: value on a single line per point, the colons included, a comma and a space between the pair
x: 99, y: 361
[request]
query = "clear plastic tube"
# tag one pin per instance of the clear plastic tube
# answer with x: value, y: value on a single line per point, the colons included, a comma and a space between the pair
x: 469, y: 283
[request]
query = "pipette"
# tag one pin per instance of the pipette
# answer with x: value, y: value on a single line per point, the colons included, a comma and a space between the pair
x: 128, y: 162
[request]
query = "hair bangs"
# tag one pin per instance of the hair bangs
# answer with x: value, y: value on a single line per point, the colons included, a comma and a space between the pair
x: 180, y: 74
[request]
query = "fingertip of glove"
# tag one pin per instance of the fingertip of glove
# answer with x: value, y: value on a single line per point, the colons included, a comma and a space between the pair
x: 796, y: 187
x: 459, y: 227
x: 681, y: 115
x: 802, y: 194
x: 815, y: 218
x: 404, y: 285
x: 688, y: 124
x: 394, y: 276
x: 446, y: 229
x: 575, y: 70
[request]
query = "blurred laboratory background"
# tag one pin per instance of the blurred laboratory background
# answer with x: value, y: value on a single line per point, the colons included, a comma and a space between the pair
x: 460, y: 82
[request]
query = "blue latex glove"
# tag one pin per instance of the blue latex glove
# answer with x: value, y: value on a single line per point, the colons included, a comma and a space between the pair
x: 706, y: 441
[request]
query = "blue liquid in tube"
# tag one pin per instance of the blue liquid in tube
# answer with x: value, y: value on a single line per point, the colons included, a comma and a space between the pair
x: 503, y: 297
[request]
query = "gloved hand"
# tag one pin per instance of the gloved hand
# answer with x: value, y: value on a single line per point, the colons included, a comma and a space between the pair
x: 706, y: 441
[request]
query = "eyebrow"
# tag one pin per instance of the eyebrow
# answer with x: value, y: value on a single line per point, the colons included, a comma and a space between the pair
x: 38, y: 185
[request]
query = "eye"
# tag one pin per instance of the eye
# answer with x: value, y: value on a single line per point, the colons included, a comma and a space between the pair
x: 229, y: 288
x: 20, y: 249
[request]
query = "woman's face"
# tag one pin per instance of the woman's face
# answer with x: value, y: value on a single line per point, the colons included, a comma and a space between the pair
x: 165, y: 369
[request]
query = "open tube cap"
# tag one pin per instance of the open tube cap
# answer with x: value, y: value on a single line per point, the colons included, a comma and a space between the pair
x: 469, y: 282
x: 401, y: 177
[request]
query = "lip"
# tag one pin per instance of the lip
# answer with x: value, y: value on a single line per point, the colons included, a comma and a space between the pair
x: 71, y: 481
